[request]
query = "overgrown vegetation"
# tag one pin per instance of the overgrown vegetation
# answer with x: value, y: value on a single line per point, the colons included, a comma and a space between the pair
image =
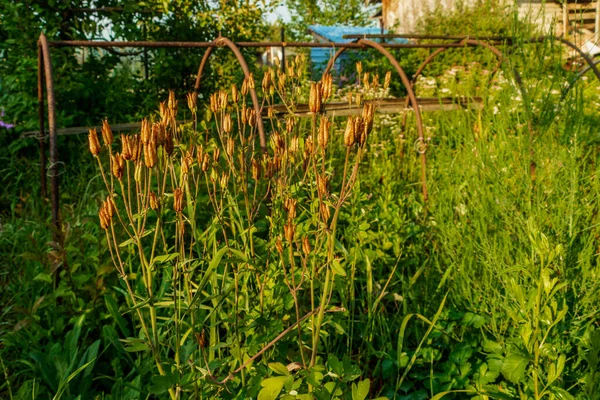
x: 197, y: 265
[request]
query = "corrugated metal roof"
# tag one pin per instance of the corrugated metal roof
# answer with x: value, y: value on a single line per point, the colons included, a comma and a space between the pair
x: 321, y: 56
x: 336, y: 33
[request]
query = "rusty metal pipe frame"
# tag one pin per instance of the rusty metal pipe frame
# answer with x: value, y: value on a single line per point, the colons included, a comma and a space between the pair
x: 159, y: 45
x: 220, y: 42
x: 46, y: 61
x: 41, y: 116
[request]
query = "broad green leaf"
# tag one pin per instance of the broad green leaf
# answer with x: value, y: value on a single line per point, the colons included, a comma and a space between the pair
x: 271, y: 388
x: 337, y: 268
x: 279, y: 368
x: 164, y: 258
x: 514, y: 367
x: 361, y: 391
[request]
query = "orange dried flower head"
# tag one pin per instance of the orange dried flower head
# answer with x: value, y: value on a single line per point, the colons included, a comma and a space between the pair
x: 118, y: 165
x: 93, y: 142
x: 107, y: 135
x: 178, y: 200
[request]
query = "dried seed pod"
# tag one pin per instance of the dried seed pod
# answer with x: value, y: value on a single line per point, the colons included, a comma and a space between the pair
x: 150, y: 156
x: 358, y: 99
x: 214, y: 175
x: 172, y: 103
x: 107, y: 134
x: 308, y: 145
x: 169, y: 145
x: 102, y: 215
x: 230, y: 147
x: 324, y: 212
x: 159, y: 132
x: 111, y: 208
x: 245, y: 87
x: 214, y: 103
x: 281, y: 82
x: 163, y: 111
x: 279, y: 246
x: 200, y: 154
x: 252, y: 119
x: 118, y: 165
x: 235, y: 95
x: 359, y: 67
x: 388, y: 78
x: 365, y: 81
x: 375, y: 81
x: 255, y: 169
x: 223, y: 100
x: 186, y: 163
x: 137, y: 173
x: 266, y: 82
x: 294, y: 145
x: 146, y: 131
x: 227, y: 123
x: 205, y: 162
x: 93, y: 142
x: 323, y: 136
x: 270, y: 112
x: 322, y: 183
x: 290, y: 207
x: 216, y: 155
x: 178, y: 200
x: 359, y: 127
x: 306, y: 245
x: 244, y: 114
x: 278, y: 142
x: 154, y: 203
x: 289, y: 230
x: 290, y: 123
x: 126, y: 147
x: 315, y: 100
x: 349, y: 133
x: 326, y: 86
x: 224, y: 181
x: 192, y: 102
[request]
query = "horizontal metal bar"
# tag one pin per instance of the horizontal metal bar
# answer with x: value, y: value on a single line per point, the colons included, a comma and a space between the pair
x: 92, y: 43
x: 426, y: 37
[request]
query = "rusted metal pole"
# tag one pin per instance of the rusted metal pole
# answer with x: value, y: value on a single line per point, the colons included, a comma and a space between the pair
x: 355, y: 45
x: 54, y: 193
x: 41, y: 116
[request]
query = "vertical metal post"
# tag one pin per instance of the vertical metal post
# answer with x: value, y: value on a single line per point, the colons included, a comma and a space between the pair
x: 41, y: 115
x: 283, y: 49
x: 54, y: 193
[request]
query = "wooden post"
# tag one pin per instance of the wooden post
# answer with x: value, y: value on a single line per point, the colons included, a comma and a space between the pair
x: 597, y: 27
x: 565, y: 19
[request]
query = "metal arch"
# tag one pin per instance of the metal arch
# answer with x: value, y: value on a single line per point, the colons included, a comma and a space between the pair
x: 219, y: 42
x: 464, y: 41
x: 46, y: 61
x: 410, y: 93
x: 576, y: 78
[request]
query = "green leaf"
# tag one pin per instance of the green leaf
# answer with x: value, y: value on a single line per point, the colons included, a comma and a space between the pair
x: 337, y: 268
x: 489, y: 346
x: 279, y: 368
x: 164, y: 258
x: 360, y: 391
x: 514, y: 367
x: 161, y: 384
x: 137, y: 347
x: 43, y: 277
x: 65, y: 383
x: 271, y: 388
